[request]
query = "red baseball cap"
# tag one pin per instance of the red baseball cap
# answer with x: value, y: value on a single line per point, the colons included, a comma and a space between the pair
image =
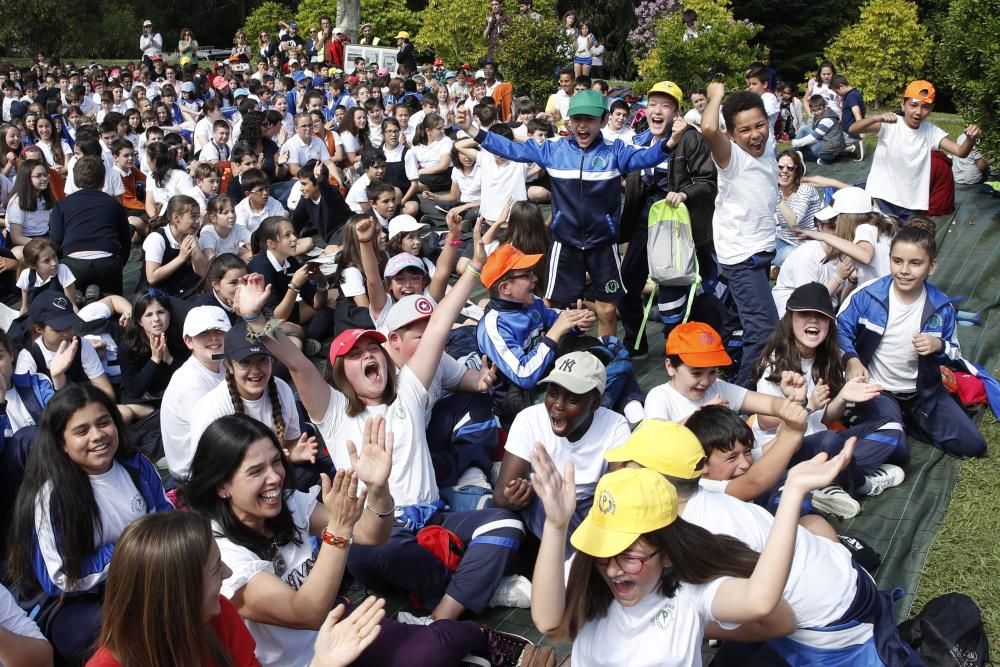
x: 504, y: 259
x: 346, y: 341
x: 698, y: 345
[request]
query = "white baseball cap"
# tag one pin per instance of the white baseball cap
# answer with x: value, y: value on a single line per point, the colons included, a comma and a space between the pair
x: 404, y: 224
x: 847, y: 200
x: 580, y: 372
x: 206, y: 318
x: 408, y: 310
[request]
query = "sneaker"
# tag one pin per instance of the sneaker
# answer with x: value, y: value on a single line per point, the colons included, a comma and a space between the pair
x: 311, y: 347
x: 473, y: 477
x: 92, y: 294
x: 820, y: 161
x: 513, y: 591
x: 834, y: 500
x: 885, y: 477
x: 862, y: 553
x: 802, y: 159
x: 505, y: 649
x: 409, y: 619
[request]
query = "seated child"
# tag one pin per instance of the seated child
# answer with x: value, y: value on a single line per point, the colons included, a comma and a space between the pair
x: 220, y: 233
x: 573, y: 427
x: 206, y: 184
x: 44, y: 272
x: 822, y: 141
x: 695, y: 354
x: 897, y: 331
x: 258, y: 204
x: 173, y: 260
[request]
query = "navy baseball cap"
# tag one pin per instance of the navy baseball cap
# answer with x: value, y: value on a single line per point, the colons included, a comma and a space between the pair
x: 53, y: 309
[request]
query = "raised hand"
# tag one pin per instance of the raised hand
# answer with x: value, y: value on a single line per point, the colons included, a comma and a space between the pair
x: 716, y: 90
x: 304, y: 450
x: 821, y: 395
x: 342, y: 501
x: 251, y: 295
x: 365, y: 230
x: 793, y: 415
x: 557, y: 492
x: 859, y: 390
x: 793, y: 385
x: 819, y: 471
x: 64, y: 357
x: 339, y: 641
x: 479, y: 249
x: 375, y: 462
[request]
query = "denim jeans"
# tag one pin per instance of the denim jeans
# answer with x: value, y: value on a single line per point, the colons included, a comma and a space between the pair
x: 751, y: 291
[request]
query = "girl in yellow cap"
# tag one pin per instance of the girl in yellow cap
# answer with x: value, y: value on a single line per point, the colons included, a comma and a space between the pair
x: 645, y: 584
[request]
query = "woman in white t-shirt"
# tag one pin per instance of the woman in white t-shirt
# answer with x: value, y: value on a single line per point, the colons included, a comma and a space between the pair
x: 361, y: 384
x: 863, y: 234
x: 29, y: 207
x: 432, y: 151
x: 82, y: 487
x: 280, y: 585
x: 53, y: 147
x: 643, y: 577
x: 354, y: 135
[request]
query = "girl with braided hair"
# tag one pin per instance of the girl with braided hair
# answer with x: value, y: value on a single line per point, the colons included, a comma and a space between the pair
x: 250, y: 388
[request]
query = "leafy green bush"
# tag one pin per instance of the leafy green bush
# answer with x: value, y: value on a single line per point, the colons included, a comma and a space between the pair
x: 721, y: 52
x: 528, y: 55
x: 388, y: 17
x: 884, y: 50
x: 453, y: 30
x: 969, y: 59
x: 108, y: 30
x: 309, y: 12
x: 265, y: 18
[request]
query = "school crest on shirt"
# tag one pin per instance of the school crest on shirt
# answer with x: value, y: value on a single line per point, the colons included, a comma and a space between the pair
x: 662, y: 618
x: 599, y: 162
x: 137, y: 505
x: 400, y: 412
x: 934, y: 322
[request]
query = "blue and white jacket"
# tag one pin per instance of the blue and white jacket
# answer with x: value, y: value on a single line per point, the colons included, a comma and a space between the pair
x: 510, y: 334
x: 585, y: 183
x: 862, y: 321
x: 94, y: 568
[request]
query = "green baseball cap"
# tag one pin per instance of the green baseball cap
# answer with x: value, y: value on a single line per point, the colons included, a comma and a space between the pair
x: 587, y: 103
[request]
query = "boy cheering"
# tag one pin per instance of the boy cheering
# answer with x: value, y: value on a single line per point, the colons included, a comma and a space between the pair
x: 586, y: 193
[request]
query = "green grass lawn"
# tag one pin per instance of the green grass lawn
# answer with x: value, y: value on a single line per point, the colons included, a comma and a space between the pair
x: 965, y: 556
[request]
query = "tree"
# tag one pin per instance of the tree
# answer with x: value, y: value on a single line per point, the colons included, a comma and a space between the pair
x: 453, y: 29
x: 526, y: 65
x: 721, y: 52
x: 349, y: 16
x: 388, y: 17
x: 88, y: 29
x: 884, y: 50
x: 648, y: 14
x: 611, y: 20
x: 969, y: 59
x: 796, y: 31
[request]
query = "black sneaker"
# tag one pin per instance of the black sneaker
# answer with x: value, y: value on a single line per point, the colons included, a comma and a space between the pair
x: 504, y: 648
x: 92, y: 294
x: 864, y: 555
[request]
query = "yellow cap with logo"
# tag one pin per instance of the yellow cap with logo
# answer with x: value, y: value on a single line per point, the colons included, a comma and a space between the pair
x: 668, y: 88
x: 663, y: 446
x: 627, y: 504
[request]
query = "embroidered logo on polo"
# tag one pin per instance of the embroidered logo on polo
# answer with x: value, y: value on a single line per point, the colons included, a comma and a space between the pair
x: 606, y: 503
x: 612, y: 286
x: 664, y: 616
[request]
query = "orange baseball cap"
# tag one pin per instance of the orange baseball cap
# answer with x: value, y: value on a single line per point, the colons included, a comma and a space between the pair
x: 698, y: 345
x: 504, y: 259
x: 920, y: 90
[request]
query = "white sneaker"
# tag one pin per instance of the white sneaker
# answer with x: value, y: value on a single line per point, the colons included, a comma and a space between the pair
x: 834, y: 500
x: 473, y: 477
x: 409, y: 619
x: 513, y: 591
x: 885, y: 477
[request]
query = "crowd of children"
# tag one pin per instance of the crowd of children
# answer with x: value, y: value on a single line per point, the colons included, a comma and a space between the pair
x: 448, y: 446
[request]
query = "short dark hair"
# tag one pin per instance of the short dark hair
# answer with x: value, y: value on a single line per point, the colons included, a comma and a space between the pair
x: 583, y: 80
x: 536, y: 124
x: 838, y: 80
x: 740, y: 101
x: 376, y: 188
x: 719, y: 428
x: 817, y: 101
x: 120, y: 144
x: 503, y: 130
x: 89, y: 172
x: 372, y: 157
x: 757, y: 71
x: 485, y: 114
x: 253, y: 179
x: 619, y: 104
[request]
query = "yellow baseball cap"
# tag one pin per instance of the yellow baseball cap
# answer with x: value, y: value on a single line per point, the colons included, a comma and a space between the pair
x: 662, y: 446
x: 668, y: 88
x: 627, y: 504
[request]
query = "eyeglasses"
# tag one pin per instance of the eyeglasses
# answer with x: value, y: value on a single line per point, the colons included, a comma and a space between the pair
x: 786, y: 167
x: 526, y: 276
x: 259, y: 191
x: 626, y: 562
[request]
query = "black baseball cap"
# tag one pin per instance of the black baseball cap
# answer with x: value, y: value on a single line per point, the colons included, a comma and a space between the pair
x: 237, y: 347
x: 53, y: 309
x: 811, y: 297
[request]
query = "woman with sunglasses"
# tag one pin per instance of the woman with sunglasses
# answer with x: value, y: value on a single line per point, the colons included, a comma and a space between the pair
x: 798, y: 203
x: 187, y: 47
x: 644, y: 577
x: 266, y: 48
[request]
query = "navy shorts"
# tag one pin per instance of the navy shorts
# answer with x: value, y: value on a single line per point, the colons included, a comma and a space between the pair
x: 568, y: 266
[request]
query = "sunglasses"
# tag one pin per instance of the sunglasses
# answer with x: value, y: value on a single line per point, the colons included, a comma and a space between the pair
x: 785, y: 167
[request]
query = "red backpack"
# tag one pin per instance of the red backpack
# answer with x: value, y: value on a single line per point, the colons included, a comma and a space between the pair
x: 446, y: 546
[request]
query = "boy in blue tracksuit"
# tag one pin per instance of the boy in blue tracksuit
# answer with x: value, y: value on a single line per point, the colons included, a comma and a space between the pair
x: 585, y: 172
x: 898, y: 331
x: 518, y: 333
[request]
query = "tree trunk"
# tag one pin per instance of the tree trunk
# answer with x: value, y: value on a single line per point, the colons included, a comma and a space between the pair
x: 349, y: 17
